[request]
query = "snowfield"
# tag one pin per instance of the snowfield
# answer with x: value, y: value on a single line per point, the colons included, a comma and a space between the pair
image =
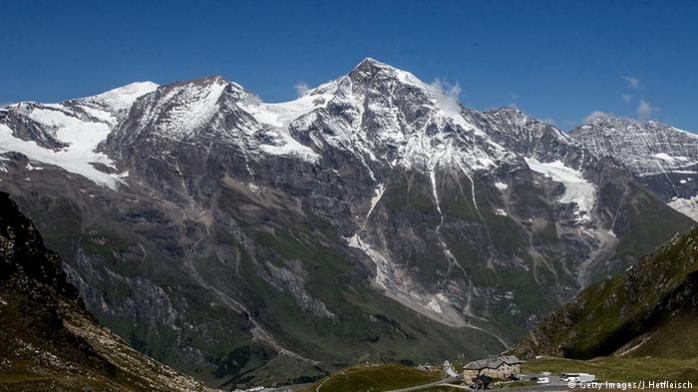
x: 76, y: 158
x: 577, y: 189
x: 688, y: 207
x: 82, y: 134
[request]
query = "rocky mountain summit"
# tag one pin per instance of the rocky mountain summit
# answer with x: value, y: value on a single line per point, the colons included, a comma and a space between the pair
x: 50, y: 341
x: 374, y: 217
x: 663, y: 158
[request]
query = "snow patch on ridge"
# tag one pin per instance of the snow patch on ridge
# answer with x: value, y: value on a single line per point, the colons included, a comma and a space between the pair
x: 76, y: 158
x: 82, y: 134
x: 501, y: 186
x: 122, y: 98
x: 197, y: 104
x: 290, y: 146
x: 577, y: 189
x: 377, y: 194
x: 688, y: 207
x: 433, y: 304
x: 279, y: 116
x: 671, y: 159
x: 500, y: 212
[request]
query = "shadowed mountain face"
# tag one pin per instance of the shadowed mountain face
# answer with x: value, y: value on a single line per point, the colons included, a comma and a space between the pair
x: 649, y: 311
x: 50, y: 342
x: 371, y: 218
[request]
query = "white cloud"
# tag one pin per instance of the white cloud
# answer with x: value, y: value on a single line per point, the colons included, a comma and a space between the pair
x: 626, y: 97
x: 447, y: 95
x: 550, y: 121
x: 596, y: 115
x: 301, y: 88
x: 645, y: 110
x: 632, y: 81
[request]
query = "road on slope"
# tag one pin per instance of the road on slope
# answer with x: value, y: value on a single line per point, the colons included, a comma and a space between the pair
x: 425, y: 386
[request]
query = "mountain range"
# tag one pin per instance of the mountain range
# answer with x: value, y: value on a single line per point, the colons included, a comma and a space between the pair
x: 372, y: 218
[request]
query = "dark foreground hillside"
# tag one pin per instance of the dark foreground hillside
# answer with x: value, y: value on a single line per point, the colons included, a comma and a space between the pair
x: 49, y: 341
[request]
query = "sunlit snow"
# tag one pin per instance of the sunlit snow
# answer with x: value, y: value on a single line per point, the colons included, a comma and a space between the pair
x: 577, y: 189
x: 688, y: 207
x: 82, y: 135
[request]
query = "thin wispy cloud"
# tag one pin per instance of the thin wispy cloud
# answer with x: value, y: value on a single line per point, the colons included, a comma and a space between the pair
x: 596, y: 115
x: 645, y: 110
x: 301, y: 88
x: 447, y: 95
x: 626, y: 97
x: 633, y: 81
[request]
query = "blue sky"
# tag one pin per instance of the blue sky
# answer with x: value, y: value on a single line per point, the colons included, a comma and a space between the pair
x: 557, y: 60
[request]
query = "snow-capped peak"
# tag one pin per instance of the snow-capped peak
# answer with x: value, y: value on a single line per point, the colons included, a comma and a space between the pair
x: 122, y: 98
x: 370, y: 70
x: 508, y: 111
x: 373, y: 62
x: 377, y: 113
x: 611, y: 123
x: 67, y: 134
x: 661, y: 156
x: 381, y: 113
x: 180, y: 109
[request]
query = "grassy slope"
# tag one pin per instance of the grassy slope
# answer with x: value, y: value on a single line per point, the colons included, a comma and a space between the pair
x: 650, y: 223
x: 637, y: 326
x: 375, y: 379
x: 621, y: 369
x: 609, y: 315
x: 674, y: 340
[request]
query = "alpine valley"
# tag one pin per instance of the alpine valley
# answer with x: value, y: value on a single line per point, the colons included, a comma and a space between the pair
x: 373, y: 218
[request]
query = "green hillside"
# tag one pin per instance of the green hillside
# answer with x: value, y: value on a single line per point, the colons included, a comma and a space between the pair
x: 639, y: 325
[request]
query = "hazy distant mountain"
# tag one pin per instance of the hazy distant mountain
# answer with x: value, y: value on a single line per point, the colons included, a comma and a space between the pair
x: 373, y: 217
x: 664, y: 159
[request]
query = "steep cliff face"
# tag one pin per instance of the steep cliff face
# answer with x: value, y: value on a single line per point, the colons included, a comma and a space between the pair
x: 373, y: 217
x: 663, y: 159
x: 650, y: 310
x: 50, y: 341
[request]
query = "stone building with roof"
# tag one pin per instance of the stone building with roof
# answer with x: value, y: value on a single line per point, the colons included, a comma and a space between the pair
x: 495, y: 367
